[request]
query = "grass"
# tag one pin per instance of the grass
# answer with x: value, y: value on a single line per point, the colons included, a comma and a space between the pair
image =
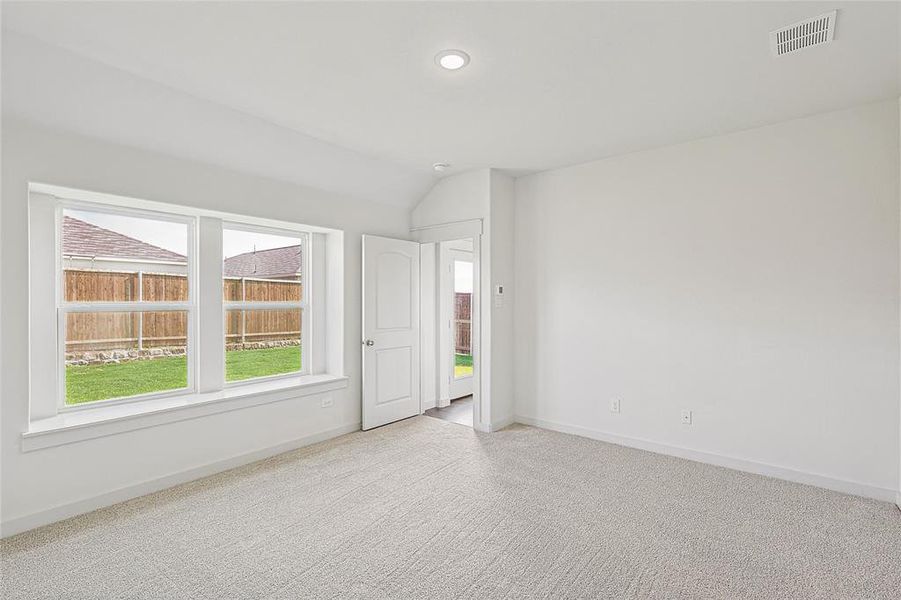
x: 462, y: 365
x: 245, y: 364
x: 89, y: 383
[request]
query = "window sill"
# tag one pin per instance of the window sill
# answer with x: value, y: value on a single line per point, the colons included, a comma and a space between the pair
x: 87, y: 424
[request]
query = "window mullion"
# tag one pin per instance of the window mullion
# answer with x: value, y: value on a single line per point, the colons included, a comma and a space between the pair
x: 264, y: 305
x: 210, y: 363
x: 306, y: 320
x: 82, y: 307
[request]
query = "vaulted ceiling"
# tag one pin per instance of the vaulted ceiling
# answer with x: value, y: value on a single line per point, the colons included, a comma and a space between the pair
x: 357, y: 103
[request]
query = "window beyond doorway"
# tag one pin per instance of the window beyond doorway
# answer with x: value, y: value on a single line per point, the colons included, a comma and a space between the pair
x: 458, y: 297
x: 462, y: 318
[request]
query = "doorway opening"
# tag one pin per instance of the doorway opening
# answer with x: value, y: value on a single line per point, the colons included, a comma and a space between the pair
x: 453, y: 291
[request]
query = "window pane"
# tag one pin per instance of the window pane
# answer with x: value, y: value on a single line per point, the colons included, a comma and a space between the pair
x: 261, y: 343
x: 121, y: 354
x: 462, y: 319
x: 116, y: 258
x: 261, y: 267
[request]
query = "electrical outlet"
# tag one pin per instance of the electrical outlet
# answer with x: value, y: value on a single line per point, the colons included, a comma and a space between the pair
x: 327, y: 401
x: 686, y: 417
x: 614, y: 405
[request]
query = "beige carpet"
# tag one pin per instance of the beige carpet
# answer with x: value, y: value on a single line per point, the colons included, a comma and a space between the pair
x: 428, y: 509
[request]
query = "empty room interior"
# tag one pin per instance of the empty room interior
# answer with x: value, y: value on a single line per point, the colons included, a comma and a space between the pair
x: 450, y: 300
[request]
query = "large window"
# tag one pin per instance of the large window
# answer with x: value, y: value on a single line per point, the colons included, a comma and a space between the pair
x: 132, y: 301
x: 265, y: 308
x: 125, y: 305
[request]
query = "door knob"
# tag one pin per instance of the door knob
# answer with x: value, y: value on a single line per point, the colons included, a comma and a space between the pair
x: 369, y: 342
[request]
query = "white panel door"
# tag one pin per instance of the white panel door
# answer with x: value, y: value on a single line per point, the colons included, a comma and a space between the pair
x: 390, y: 330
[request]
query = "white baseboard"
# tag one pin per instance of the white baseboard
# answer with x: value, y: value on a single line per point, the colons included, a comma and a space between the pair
x: 501, y: 423
x: 739, y: 464
x: 65, y: 511
x: 427, y: 404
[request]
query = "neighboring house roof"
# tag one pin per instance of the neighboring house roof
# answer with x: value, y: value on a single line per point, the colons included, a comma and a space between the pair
x: 84, y: 239
x: 276, y: 262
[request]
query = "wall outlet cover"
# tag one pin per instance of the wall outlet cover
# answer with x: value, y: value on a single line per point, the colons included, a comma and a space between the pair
x: 686, y: 417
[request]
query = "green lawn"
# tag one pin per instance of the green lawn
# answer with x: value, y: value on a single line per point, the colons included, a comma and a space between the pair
x: 462, y: 365
x: 244, y: 364
x: 88, y: 383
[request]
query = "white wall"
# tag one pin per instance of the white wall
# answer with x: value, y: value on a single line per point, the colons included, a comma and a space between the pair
x: 44, y: 479
x: 484, y: 194
x: 502, y: 330
x: 752, y: 278
x: 428, y: 324
x: 455, y: 198
x: 108, y: 103
x: 462, y: 197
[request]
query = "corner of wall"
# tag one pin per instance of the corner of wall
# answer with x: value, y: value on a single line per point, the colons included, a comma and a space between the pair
x: 501, y: 223
x: 618, y: 240
x: 458, y: 197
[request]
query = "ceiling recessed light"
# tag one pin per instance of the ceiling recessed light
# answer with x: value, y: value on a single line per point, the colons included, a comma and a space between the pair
x: 452, y: 59
x: 441, y: 167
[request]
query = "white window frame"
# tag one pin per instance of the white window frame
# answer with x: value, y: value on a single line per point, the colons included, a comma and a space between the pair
x: 63, y: 307
x: 51, y: 422
x: 305, y: 305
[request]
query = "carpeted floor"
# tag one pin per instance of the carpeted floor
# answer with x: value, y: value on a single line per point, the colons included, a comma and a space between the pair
x: 429, y: 509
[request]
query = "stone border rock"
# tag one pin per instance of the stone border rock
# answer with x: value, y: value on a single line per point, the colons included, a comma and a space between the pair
x: 112, y: 357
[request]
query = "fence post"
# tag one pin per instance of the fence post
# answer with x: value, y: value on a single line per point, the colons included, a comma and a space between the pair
x: 140, y: 313
x: 243, y: 312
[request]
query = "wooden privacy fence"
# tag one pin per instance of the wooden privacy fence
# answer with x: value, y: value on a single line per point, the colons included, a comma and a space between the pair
x: 261, y: 326
x: 97, y: 331
x: 462, y: 323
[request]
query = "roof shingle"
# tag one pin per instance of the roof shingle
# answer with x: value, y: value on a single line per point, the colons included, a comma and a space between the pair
x: 84, y: 239
x: 275, y: 262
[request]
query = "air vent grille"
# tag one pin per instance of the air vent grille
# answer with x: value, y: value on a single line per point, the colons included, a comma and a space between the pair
x: 804, y: 34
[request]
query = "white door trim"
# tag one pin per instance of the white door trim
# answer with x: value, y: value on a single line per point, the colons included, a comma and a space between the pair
x: 448, y: 232
x: 481, y: 401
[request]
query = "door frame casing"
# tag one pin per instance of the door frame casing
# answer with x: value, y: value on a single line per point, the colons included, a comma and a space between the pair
x: 448, y: 232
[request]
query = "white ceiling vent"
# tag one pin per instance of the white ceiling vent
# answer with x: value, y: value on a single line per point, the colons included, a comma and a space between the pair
x: 803, y: 34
